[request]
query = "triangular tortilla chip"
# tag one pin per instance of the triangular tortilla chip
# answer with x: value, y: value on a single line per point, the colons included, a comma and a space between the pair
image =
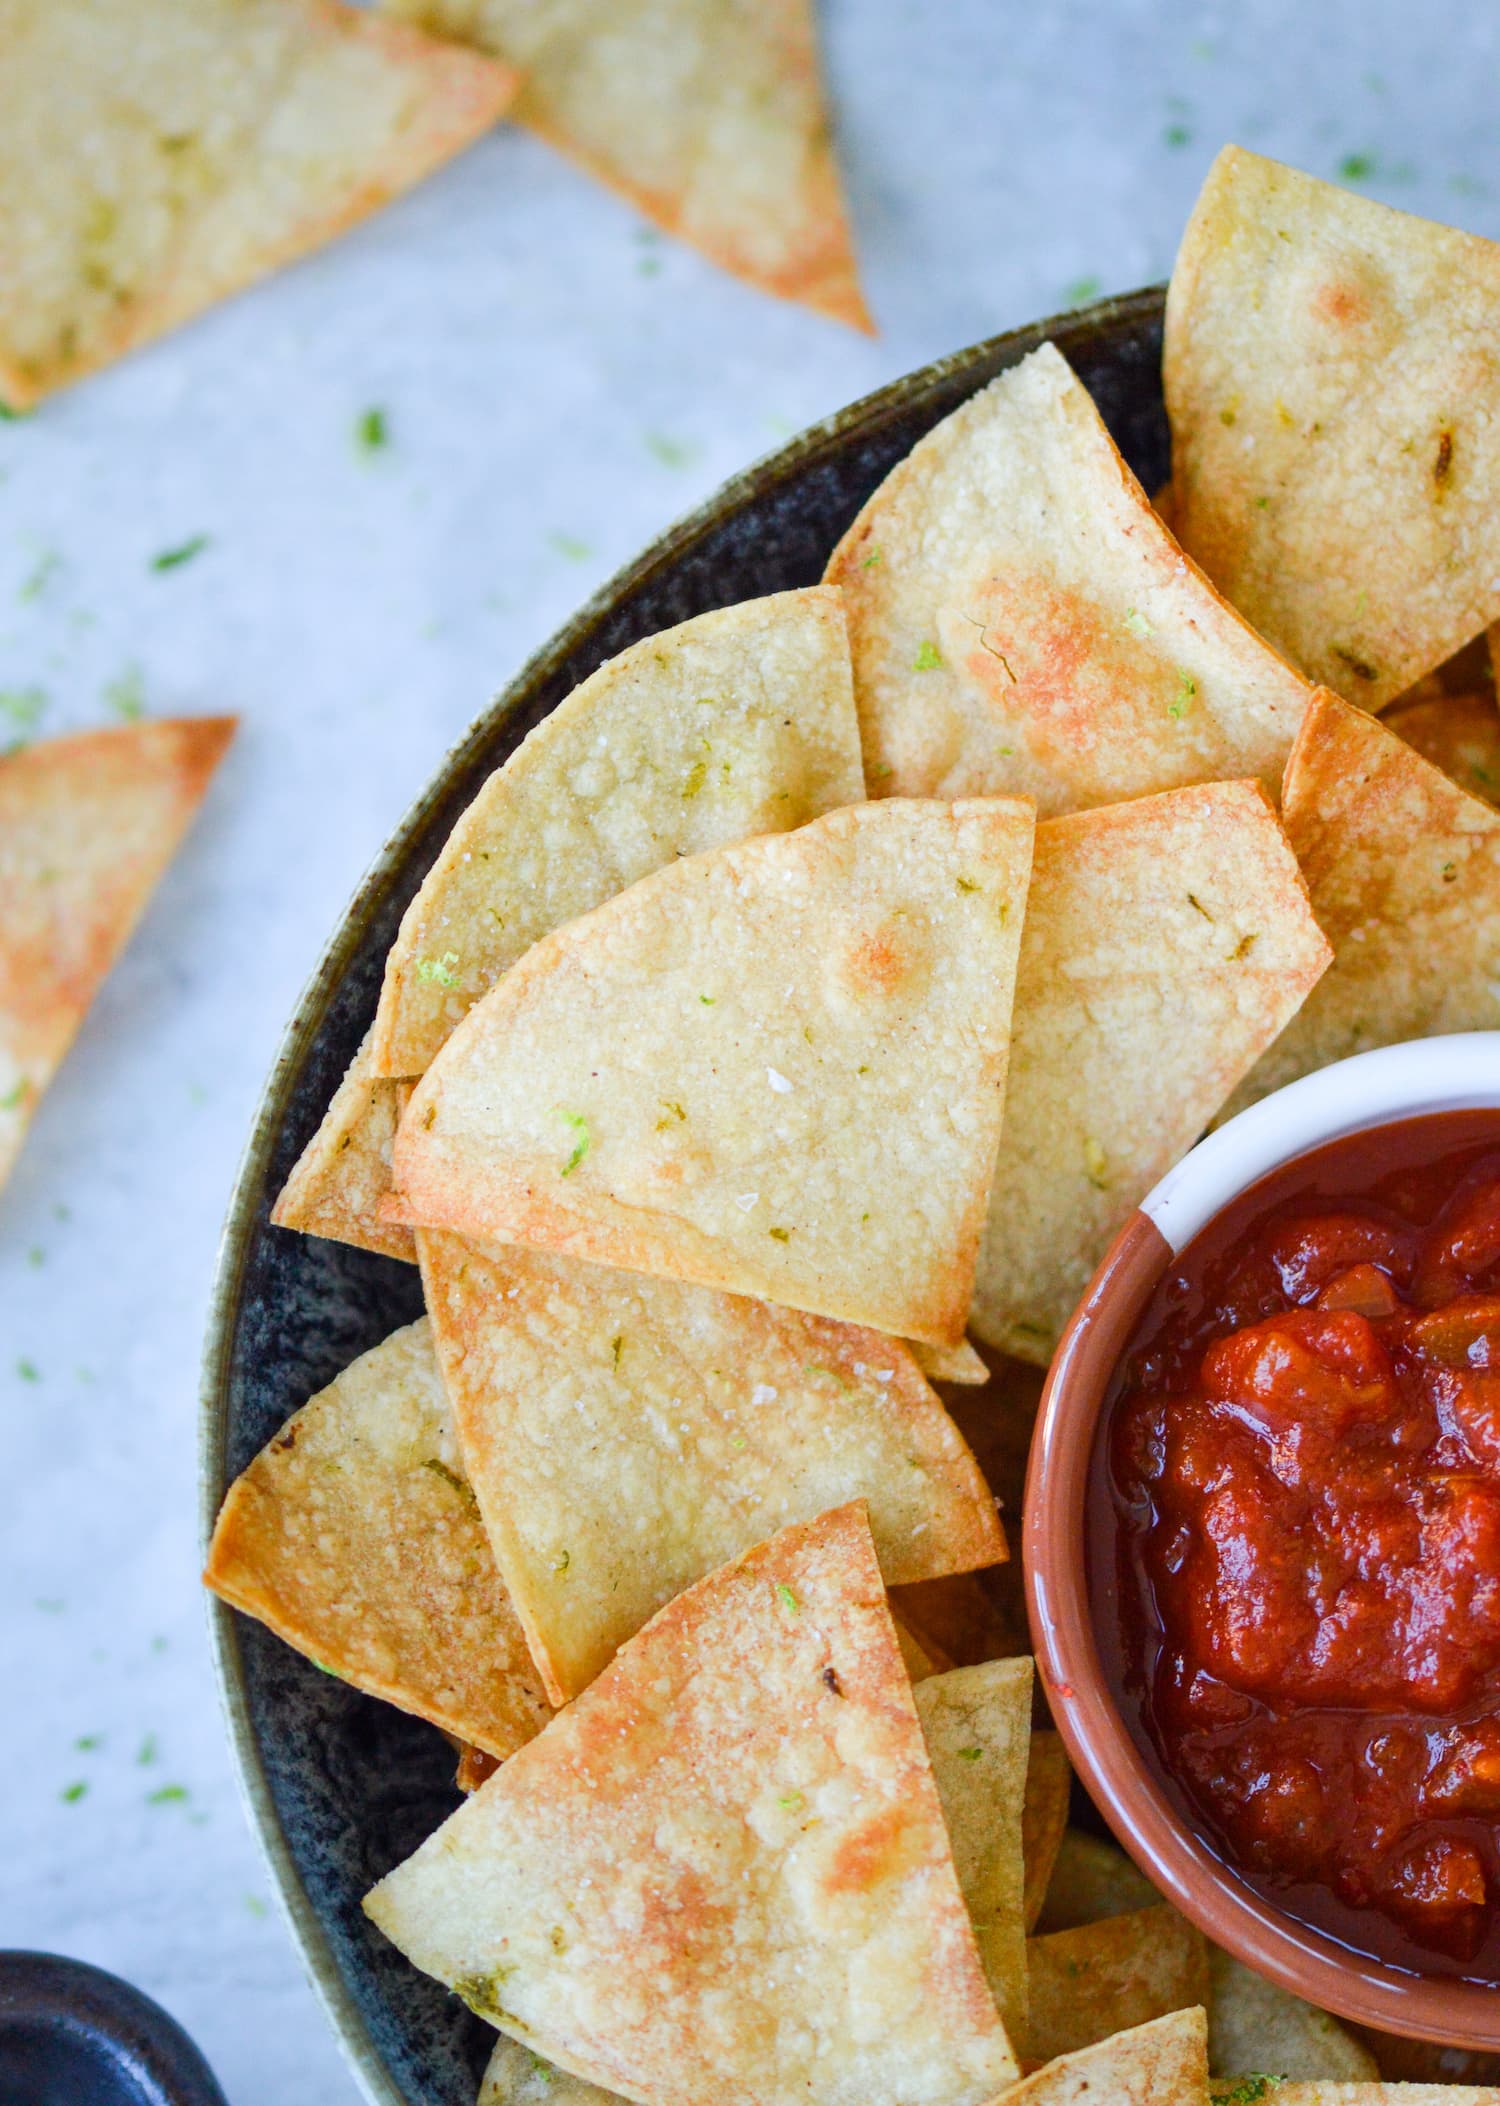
x: 223, y: 139
x: 1022, y: 622
x: 627, y: 1435
x: 515, y: 2076
x: 356, y: 1537
x: 475, y: 1767
x: 776, y: 1068
x: 1458, y: 733
x: 958, y: 1364
x: 722, y: 1873
x: 1332, y: 374
x: 1404, y: 871
x: 976, y: 1722
x: 1253, y: 2024
x: 709, y: 119
x: 1044, y: 1817
x: 1163, y: 2063
x: 1087, y: 1983
x: 344, y: 1172
x: 1092, y: 1879
x: 87, y: 826
x: 736, y: 723
x: 1167, y: 942
x: 1326, y: 2094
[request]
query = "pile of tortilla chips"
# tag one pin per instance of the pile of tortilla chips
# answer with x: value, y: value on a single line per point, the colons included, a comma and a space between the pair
x: 158, y: 155
x: 827, y: 976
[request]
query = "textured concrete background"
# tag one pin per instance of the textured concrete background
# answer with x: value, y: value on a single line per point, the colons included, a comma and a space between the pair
x: 558, y: 385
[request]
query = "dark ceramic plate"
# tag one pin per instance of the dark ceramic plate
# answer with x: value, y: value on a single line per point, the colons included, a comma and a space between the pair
x: 72, y: 2035
x: 342, y: 1787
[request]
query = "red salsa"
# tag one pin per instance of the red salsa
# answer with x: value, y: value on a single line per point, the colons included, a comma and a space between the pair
x: 1297, y: 1571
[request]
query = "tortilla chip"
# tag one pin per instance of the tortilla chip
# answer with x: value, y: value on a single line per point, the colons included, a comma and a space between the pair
x: 517, y: 2077
x: 344, y: 1172
x: 1252, y: 2024
x: 1087, y: 1983
x: 958, y: 1364
x: 87, y: 826
x: 1332, y: 374
x: 1022, y: 622
x: 965, y: 1617
x: 155, y: 157
x: 356, y: 1537
x: 1404, y: 871
x: 776, y: 1068
x: 976, y: 1722
x: 1458, y: 733
x: 710, y: 120
x: 1044, y: 1818
x: 736, y: 723
x: 1167, y: 942
x: 475, y: 1767
x: 1163, y: 2063
x: 1091, y: 1880
x: 723, y: 1871
x: 1325, y: 2094
x: 627, y: 1435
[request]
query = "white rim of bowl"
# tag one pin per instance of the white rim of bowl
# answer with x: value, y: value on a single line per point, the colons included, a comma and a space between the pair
x: 1460, y: 1073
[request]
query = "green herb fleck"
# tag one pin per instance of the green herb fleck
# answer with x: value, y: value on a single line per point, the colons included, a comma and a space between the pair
x: 40, y: 576
x: 72, y: 1793
x: 1356, y: 168
x: 146, y: 1753
x: 372, y: 432
x: 168, y: 1795
x: 255, y: 1907
x: 1080, y: 292
x: 707, y: 1001
x: 1245, y: 2091
x: 580, y: 1127
x: 1137, y: 623
x: 1187, y: 689
x: 1177, y: 135
x: 28, y: 1371
x: 86, y: 1743
x: 542, y: 2071
x: 9, y: 415
x: 966, y: 884
x: 443, y: 970
x: 790, y: 1800
x: 126, y: 695
x: 928, y: 659
x: 11, y: 1101
x: 871, y: 560
x: 970, y: 1754
x: 786, y: 1597
x: 780, y: 1235
x: 174, y: 558
x: 697, y: 775
x: 439, y: 1468
x: 672, y: 453
x: 570, y: 546
x: 562, y: 1561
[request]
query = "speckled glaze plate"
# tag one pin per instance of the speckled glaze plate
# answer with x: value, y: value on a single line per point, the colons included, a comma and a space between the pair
x: 342, y: 1787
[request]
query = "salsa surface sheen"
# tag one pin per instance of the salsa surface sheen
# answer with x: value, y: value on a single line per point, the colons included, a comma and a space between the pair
x: 1295, y: 1539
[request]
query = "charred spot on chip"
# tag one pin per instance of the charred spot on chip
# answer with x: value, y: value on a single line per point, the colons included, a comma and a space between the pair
x: 1361, y: 668
x: 831, y: 1681
x: 1442, y: 467
x: 287, y: 1438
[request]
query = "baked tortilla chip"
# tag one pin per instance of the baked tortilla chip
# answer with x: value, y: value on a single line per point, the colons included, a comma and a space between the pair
x: 1044, y: 1817
x: 976, y: 1722
x: 958, y: 1364
x: 722, y: 1873
x: 1092, y: 1879
x: 87, y: 826
x: 1162, y: 2063
x: 1253, y: 2024
x: 627, y: 1435
x: 1458, y: 733
x: 1087, y: 1983
x: 736, y: 723
x: 517, y: 2077
x: 475, y: 1767
x: 344, y: 1172
x: 155, y: 157
x: 1332, y: 374
x: 776, y: 1069
x: 1167, y: 942
x: 356, y: 1537
x: 1404, y: 871
x: 709, y: 119
x: 1022, y: 622
x: 1333, y: 2094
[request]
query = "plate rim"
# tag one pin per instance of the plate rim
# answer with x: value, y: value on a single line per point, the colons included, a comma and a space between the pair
x: 803, y: 452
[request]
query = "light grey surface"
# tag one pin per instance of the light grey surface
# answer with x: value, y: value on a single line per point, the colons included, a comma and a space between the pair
x: 558, y: 386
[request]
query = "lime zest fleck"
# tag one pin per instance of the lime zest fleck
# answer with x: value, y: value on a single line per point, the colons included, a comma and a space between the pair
x: 72, y: 1793
x: 373, y: 431
x: 13, y: 1097
x: 1187, y: 689
x: 443, y: 970
x: 1080, y: 292
x: 872, y: 559
x: 929, y: 658
x: 571, y: 546
x: 28, y: 1370
x: 1136, y: 622
x: 790, y: 1800
x: 146, y: 1753
x: 786, y: 1597
x: 970, y: 1754
x: 168, y: 1795
x: 580, y: 1127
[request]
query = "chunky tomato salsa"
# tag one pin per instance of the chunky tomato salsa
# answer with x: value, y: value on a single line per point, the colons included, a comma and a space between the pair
x: 1301, y: 1502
